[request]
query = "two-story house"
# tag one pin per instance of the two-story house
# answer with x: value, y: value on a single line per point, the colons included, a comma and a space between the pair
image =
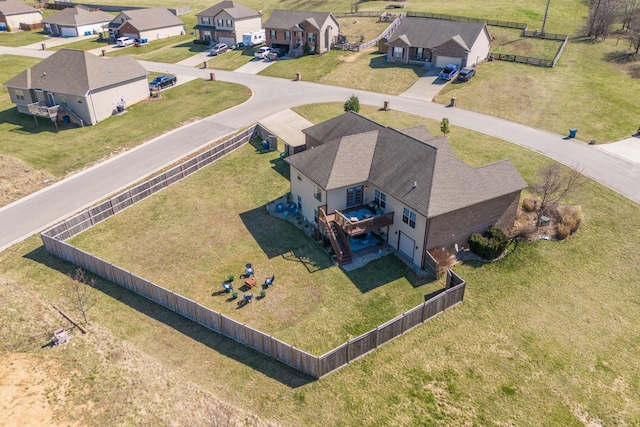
x: 226, y: 22
x: 292, y: 30
x: 359, y: 178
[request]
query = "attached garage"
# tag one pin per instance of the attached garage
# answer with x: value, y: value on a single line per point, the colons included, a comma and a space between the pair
x: 68, y: 32
x: 229, y: 41
x: 406, y: 245
x: 442, y: 61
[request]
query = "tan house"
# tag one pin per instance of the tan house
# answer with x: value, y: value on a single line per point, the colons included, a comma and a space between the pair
x: 13, y: 13
x: 292, y: 30
x: 79, y: 86
x: 150, y: 24
x: 76, y: 21
x: 439, y: 42
x: 226, y: 22
x: 361, y: 181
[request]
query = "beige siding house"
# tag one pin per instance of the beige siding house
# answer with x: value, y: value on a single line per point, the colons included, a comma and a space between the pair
x: 226, y: 22
x: 78, y: 85
x: 151, y: 24
x: 13, y: 13
x: 293, y: 30
x: 439, y: 42
x: 76, y: 21
x: 359, y: 178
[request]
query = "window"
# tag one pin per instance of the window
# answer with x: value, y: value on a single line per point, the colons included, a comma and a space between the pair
x: 380, y: 198
x: 19, y: 94
x: 409, y: 217
x: 318, y: 193
x: 311, y: 37
x: 79, y: 99
x: 206, y: 21
x: 273, y: 34
x: 354, y: 196
x: 220, y: 22
x: 398, y: 52
x: 300, y: 202
x: 287, y: 35
x: 229, y: 23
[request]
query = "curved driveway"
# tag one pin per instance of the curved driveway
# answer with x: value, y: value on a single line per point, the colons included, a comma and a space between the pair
x: 270, y: 95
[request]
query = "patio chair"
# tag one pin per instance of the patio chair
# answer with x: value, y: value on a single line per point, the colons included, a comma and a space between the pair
x: 248, y: 270
x: 269, y: 281
x: 247, y: 297
x: 227, y: 287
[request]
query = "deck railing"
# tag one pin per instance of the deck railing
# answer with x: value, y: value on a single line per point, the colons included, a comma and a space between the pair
x: 353, y: 228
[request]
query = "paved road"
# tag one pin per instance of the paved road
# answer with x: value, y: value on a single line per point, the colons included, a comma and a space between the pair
x: 270, y: 95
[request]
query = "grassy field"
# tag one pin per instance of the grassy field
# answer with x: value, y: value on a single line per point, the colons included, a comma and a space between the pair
x: 547, y: 336
x: 232, y: 59
x: 508, y: 41
x: 21, y: 38
x: 367, y: 70
x: 308, y: 289
x: 74, y: 148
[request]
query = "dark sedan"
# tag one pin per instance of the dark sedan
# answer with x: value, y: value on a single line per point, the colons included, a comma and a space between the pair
x: 466, y: 74
x: 161, y: 82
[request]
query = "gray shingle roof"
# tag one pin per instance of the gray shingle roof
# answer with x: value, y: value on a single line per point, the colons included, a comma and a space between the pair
x: 288, y: 19
x: 75, y: 72
x: 395, y: 160
x: 236, y: 10
x: 149, y: 19
x: 13, y: 7
x: 430, y: 33
x: 77, y: 16
x: 339, y: 126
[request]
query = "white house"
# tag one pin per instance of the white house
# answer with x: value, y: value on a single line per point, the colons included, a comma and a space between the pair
x: 13, y: 13
x: 226, y: 22
x: 76, y: 21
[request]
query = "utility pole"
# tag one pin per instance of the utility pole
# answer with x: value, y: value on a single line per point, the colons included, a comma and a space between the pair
x: 544, y: 21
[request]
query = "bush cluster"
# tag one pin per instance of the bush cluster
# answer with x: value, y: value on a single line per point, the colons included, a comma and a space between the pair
x: 569, y: 219
x: 531, y: 204
x: 490, y: 245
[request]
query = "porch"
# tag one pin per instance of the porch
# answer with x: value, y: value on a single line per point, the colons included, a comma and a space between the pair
x: 40, y: 109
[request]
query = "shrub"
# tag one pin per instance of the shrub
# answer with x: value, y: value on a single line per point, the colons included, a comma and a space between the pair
x: 531, y: 204
x: 570, y: 216
x: 352, y: 104
x: 489, y: 246
x: 563, y: 231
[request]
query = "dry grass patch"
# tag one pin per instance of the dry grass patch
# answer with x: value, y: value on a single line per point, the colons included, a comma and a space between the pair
x: 17, y: 180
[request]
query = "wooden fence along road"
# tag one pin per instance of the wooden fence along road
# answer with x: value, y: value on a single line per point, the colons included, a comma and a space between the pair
x: 314, y: 366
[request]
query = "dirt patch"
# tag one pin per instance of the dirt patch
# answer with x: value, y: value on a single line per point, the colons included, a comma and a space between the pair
x: 17, y: 180
x: 29, y: 387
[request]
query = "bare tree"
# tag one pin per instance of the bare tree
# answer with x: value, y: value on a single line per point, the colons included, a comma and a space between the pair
x: 556, y: 184
x: 629, y: 9
x: 82, y: 293
x: 634, y: 30
x: 602, y: 15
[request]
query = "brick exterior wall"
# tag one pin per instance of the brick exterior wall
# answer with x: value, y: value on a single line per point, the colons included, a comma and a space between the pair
x: 457, y: 226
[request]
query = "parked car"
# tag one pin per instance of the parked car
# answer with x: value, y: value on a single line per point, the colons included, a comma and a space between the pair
x: 262, y: 52
x: 124, y: 41
x: 218, y: 49
x: 466, y: 73
x: 449, y: 72
x: 160, y: 82
x: 275, y: 54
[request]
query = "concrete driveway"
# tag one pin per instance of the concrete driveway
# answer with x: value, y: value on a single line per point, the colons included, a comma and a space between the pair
x: 427, y: 86
x: 254, y: 66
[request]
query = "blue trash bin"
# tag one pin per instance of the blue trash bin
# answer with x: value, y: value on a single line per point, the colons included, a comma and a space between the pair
x: 572, y: 133
x: 265, y: 144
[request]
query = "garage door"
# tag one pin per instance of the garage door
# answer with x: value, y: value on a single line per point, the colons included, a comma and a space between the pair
x: 130, y: 35
x: 68, y: 32
x: 442, y: 61
x: 229, y: 41
x: 406, y: 245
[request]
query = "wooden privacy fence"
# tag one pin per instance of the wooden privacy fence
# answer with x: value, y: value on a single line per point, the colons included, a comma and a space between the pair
x: 314, y: 366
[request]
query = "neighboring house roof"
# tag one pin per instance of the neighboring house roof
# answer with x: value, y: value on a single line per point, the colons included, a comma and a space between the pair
x: 13, y: 7
x: 148, y: 19
x: 76, y: 72
x: 430, y: 33
x: 77, y: 16
x: 395, y: 160
x: 236, y: 10
x: 289, y: 19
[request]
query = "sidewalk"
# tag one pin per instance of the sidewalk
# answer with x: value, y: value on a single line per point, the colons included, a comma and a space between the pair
x: 628, y: 149
x: 196, y: 60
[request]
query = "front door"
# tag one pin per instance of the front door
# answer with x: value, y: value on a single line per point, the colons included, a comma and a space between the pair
x: 354, y: 196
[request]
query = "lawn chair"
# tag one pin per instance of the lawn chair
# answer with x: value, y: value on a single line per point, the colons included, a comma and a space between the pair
x: 227, y: 287
x: 248, y: 270
x: 246, y: 299
x: 268, y: 282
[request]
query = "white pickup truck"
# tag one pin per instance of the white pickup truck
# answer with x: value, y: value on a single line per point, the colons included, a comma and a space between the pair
x: 262, y: 52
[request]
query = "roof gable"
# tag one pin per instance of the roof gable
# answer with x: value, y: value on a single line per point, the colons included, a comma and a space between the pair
x: 76, y: 72
x: 235, y: 10
x: 430, y: 33
x: 286, y: 19
x: 78, y: 15
x: 148, y: 19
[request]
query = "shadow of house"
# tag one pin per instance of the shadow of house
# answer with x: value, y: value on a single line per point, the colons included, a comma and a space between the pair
x: 281, y: 238
x: 217, y: 342
x: 380, y: 62
x: 384, y: 271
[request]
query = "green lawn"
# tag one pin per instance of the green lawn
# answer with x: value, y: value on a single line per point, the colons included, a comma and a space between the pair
x: 509, y: 41
x: 21, y: 38
x: 74, y: 148
x: 89, y: 44
x: 546, y: 336
x: 308, y: 288
x: 232, y: 59
x: 366, y: 70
